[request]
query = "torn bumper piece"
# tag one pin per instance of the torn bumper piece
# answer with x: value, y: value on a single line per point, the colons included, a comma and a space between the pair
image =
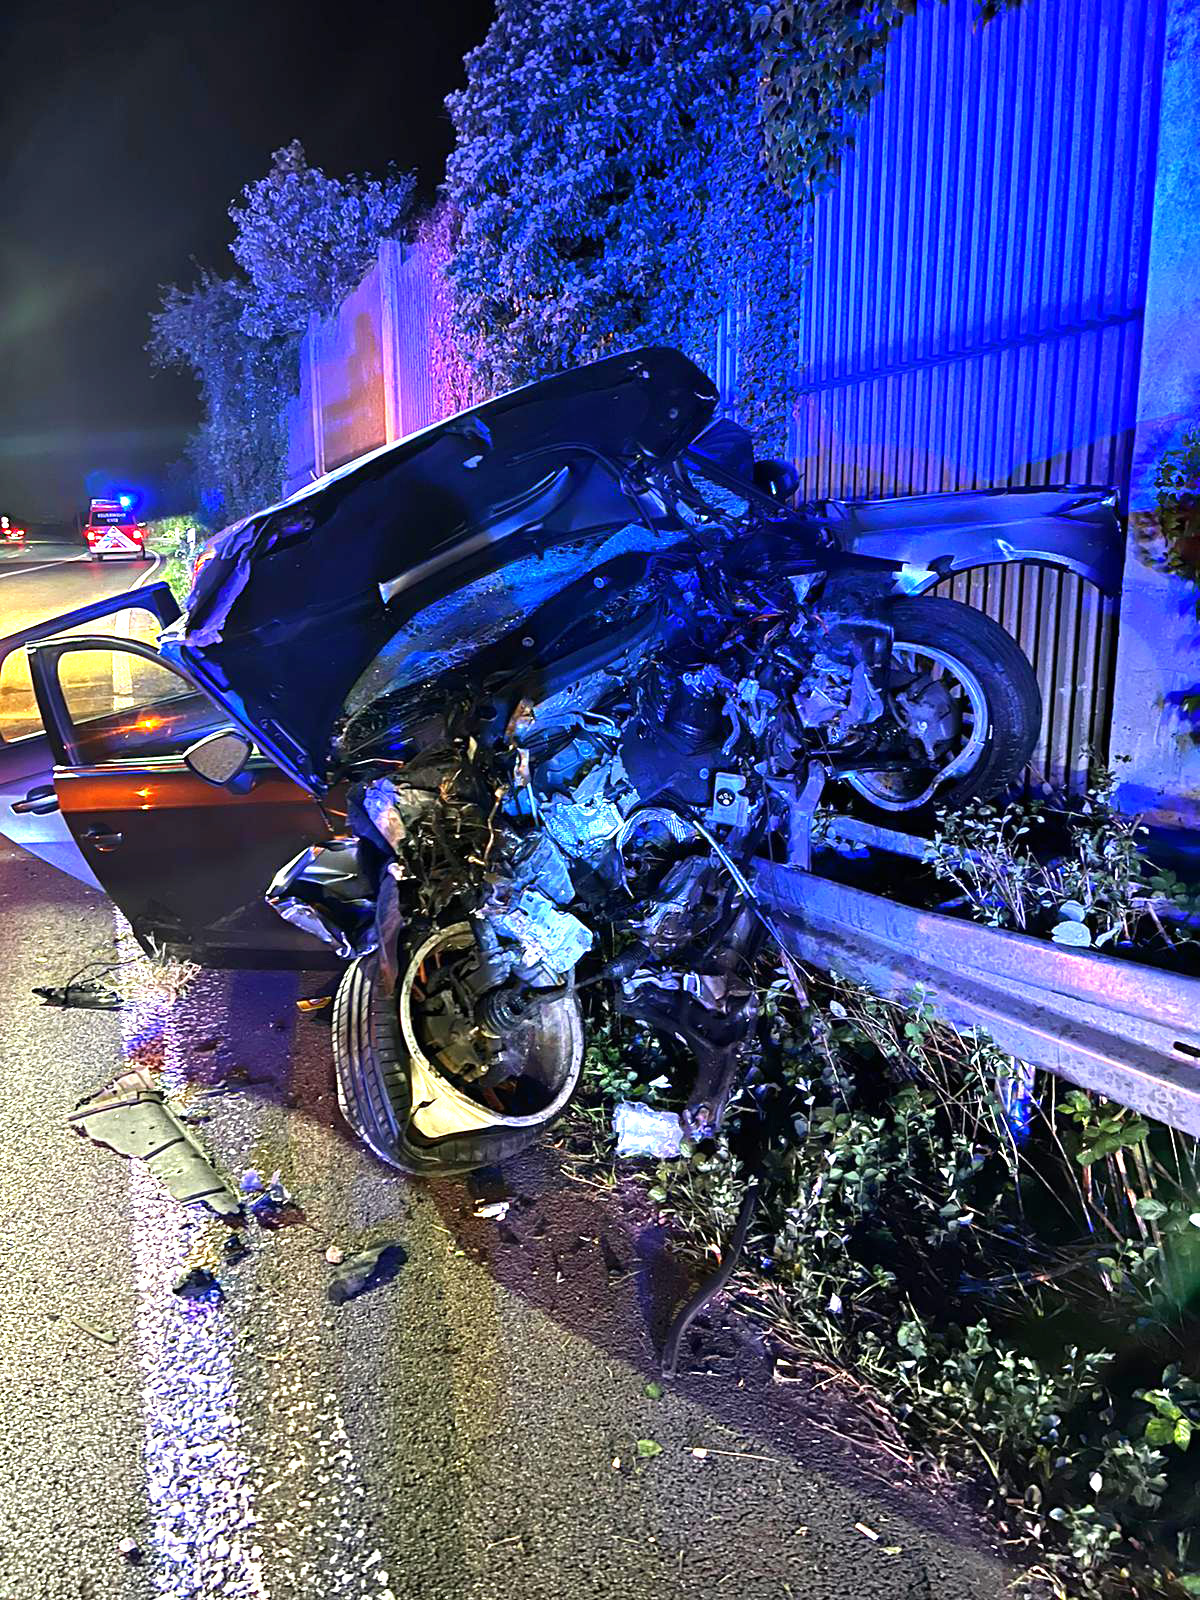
x: 132, y: 1117
x: 327, y: 891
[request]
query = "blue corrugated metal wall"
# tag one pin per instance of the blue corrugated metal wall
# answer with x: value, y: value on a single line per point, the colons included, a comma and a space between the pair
x: 973, y: 310
x: 972, y: 313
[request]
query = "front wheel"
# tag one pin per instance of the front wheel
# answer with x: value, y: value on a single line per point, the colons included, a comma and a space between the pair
x: 964, y: 706
x: 416, y: 1082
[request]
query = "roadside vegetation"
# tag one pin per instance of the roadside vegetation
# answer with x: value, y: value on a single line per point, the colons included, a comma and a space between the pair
x: 177, y: 539
x: 1002, y: 1269
x: 1076, y: 871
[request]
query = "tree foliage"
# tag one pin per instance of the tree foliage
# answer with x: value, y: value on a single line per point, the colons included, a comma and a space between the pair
x: 304, y: 240
x: 820, y: 63
x: 573, y: 130
x: 638, y: 171
x: 606, y: 184
x: 239, y: 449
x: 455, y: 376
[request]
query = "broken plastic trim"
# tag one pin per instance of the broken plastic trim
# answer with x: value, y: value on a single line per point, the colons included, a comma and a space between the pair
x: 132, y: 1118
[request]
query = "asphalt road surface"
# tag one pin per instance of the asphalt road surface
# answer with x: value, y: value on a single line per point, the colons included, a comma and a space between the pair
x: 467, y: 1428
x: 44, y: 579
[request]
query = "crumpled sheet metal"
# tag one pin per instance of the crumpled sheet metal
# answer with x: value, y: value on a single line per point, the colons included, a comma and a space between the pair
x: 132, y: 1118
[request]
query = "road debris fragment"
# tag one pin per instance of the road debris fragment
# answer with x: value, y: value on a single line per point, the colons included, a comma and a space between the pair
x: 251, y: 1182
x: 131, y: 1550
x: 273, y: 1198
x: 132, y: 1118
x: 646, y: 1131
x: 92, y: 1329
x: 318, y: 1002
x: 495, y: 1209
x: 196, y: 1281
x: 335, y: 1255
x: 360, y: 1272
x: 158, y: 978
x: 86, y: 995
x: 867, y: 1533
x: 647, y: 1449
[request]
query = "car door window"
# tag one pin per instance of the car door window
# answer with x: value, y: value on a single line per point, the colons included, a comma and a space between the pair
x: 20, y: 717
x: 125, y: 706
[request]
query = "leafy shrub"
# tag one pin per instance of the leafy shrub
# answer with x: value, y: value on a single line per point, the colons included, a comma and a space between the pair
x: 178, y: 540
x: 240, y: 448
x: 907, y: 1241
x: 1177, y: 486
x: 1093, y: 886
x: 304, y: 240
x: 607, y: 193
x: 821, y: 62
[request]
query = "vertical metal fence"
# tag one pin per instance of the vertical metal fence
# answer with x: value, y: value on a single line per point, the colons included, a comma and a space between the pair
x: 972, y: 313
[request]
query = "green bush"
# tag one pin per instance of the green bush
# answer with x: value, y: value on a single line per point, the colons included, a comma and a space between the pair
x: 1023, y: 1306
x: 178, y: 539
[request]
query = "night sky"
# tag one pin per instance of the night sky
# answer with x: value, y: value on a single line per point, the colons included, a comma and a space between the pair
x: 125, y: 132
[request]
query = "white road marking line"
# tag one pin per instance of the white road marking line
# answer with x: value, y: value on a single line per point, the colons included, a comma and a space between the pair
x: 238, y: 1508
x: 63, y: 561
x: 155, y: 563
x: 198, y: 1473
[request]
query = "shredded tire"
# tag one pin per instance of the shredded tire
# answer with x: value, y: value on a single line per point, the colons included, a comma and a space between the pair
x: 374, y: 1093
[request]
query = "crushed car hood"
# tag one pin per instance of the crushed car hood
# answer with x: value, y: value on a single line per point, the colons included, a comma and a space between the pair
x: 298, y: 600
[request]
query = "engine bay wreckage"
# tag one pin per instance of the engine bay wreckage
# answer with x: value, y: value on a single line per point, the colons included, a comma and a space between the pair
x: 575, y: 671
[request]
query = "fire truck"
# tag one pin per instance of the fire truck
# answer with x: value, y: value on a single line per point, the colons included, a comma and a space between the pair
x: 113, y: 530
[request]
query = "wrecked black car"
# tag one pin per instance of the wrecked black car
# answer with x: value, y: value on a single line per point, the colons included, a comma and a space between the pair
x: 511, y: 707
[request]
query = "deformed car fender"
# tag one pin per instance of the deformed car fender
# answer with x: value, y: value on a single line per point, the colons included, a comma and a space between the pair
x: 1074, y: 528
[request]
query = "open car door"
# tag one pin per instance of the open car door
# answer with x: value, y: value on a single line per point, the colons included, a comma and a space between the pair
x: 186, y: 861
x: 29, y: 813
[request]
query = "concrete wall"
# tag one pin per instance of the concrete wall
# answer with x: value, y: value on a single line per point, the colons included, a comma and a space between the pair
x: 1158, y: 657
x: 367, y: 374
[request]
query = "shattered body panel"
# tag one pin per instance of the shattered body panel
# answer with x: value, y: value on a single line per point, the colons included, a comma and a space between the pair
x: 554, y: 674
x: 935, y: 535
x: 131, y: 1116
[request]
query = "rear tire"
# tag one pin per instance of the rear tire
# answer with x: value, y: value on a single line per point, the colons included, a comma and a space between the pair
x: 1008, y: 682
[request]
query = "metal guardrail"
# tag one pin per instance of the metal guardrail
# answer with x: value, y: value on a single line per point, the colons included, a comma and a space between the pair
x: 1129, y: 1032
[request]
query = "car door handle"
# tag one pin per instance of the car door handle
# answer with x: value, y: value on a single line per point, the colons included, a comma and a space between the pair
x: 39, y: 802
x: 102, y: 838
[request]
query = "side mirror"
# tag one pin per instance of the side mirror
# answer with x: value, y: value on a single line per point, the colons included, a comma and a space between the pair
x: 219, y: 758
